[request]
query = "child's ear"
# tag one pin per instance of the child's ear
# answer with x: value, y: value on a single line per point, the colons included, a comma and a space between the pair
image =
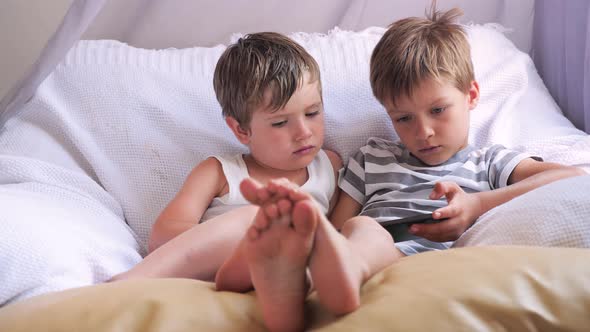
x: 473, y: 95
x: 243, y: 135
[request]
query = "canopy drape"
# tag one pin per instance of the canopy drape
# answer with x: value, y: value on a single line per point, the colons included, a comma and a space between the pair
x: 561, y: 51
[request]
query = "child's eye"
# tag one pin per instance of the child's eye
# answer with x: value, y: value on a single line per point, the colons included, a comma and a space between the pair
x: 403, y: 119
x: 312, y: 114
x: 438, y: 110
x: 279, y: 124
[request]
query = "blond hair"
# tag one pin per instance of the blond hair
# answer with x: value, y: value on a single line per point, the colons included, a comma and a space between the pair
x: 416, y: 49
x: 258, y: 63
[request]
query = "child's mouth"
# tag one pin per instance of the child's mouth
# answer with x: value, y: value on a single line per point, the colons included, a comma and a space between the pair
x: 304, y: 150
x: 430, y: 149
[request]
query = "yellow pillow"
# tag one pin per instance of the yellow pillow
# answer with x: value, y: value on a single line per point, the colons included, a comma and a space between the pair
x: 465, y: 289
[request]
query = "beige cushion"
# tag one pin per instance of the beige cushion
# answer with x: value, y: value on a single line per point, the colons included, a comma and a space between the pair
x: 466, y: 289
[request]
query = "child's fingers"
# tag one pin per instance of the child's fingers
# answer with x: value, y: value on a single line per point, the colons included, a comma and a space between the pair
x: 440, y: 189
x: 447, y: 230
x: 436, y: 193
x: 430, y: 232
x: 445, y: 188
x: 446, y: 212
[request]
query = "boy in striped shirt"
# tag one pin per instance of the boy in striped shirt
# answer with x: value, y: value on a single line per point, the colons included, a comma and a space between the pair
x: 421, y: 72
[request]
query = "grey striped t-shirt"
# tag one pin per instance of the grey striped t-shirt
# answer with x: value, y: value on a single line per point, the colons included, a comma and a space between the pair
x: 390, y: 183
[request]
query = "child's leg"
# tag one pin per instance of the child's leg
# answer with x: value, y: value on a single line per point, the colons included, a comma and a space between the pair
x: 234, y: 274
x: 342, y: 262
x: 199, y: 252
x: 277, y: 248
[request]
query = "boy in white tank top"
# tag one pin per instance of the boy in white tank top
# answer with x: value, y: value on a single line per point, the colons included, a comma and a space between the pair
x: 270, y: 92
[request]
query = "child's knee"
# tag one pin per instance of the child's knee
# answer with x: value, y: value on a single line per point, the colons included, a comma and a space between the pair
x: 367, y: 225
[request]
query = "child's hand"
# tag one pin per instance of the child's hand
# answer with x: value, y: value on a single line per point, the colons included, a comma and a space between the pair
x: 461, y: 212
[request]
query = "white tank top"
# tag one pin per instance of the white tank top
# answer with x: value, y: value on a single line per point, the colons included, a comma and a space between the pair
x: 320, y: 184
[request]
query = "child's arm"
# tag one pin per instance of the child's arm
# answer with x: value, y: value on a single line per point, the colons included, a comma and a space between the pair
x: 336, y: 165
x: 342, y: 206
x: 345, y: 208
x: 205, y: 182
x: 529, y: 174
x: 464, y: 209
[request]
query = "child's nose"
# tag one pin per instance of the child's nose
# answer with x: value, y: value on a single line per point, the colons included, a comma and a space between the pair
x: 424, y: 130
x: 302, y: 130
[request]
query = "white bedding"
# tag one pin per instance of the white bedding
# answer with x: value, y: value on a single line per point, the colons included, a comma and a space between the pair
x: 109, y: 137
x: 557, y: 214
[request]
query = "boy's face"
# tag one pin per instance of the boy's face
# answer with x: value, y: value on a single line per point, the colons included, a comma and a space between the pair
x: 289, y: 138
x: 433, y: 123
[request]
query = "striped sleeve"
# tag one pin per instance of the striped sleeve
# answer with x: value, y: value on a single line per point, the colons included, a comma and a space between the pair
x: 352, y: 178
x: 501, y: 162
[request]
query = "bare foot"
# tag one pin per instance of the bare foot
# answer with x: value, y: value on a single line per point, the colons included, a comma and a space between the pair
x: 234, y: 274
x: 277, y: 249
x: 276, y: 189
x: 336, y: 265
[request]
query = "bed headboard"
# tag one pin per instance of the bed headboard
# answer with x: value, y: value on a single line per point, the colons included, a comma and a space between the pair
x: 183, y: 23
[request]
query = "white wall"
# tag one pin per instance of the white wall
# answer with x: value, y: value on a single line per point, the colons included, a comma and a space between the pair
x: 25, y: 26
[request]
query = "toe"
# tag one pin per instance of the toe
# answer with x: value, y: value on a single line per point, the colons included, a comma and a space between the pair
x: 304, y: 217
x: 284, y: 207
x: 253, y: 233
x: 249, y: 188
x: 261, y: 221
x: 262, y: 195
x: 271, y: 211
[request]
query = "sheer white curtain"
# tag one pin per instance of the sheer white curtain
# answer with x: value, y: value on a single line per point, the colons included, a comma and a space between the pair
x: 78, y: 17
x: 561, y: 51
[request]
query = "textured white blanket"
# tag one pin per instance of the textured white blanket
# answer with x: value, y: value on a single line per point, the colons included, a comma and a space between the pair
x: 109, y: 137
x: 557, y: 214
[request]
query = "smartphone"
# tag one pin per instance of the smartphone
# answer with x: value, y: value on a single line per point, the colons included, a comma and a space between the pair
x: 425, y: 218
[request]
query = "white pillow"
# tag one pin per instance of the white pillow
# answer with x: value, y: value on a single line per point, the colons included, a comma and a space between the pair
x: 54, y: 236
x: 555, y: 215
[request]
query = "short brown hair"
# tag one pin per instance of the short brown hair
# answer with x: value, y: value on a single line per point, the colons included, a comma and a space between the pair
x: 258, y: 62
x: 416, y: 49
